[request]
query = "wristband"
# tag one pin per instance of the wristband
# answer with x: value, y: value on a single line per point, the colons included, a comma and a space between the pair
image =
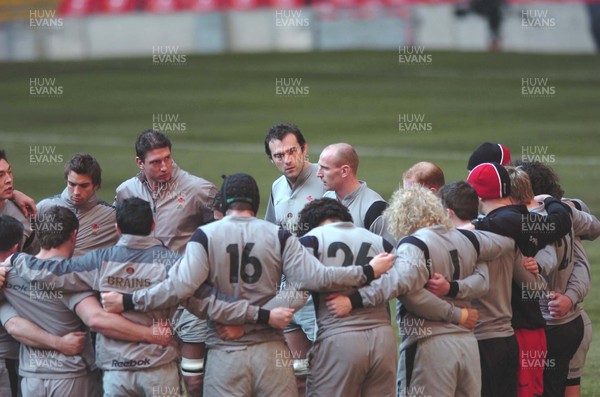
x: 263, y: 316
x: 356, y: 300
x: 128, y: 302
x: 464, y: 315
x: 369, y: 273
x: 453, y: 291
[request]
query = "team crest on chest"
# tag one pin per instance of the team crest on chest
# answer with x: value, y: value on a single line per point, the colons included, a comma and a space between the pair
x: 95, y: 229
x: 180, y: 201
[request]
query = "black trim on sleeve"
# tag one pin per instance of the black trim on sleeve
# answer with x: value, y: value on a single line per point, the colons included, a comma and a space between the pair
x: 374, y: 212
x: 472, y: 238
x: 453, y: 289
x: 387, y: 246
x: 128, y: 302
x: 29, y: 242
x: 369, y: 272
x: 201, y: 238
x: 263, y: 316
x: 577, y: 204
x: 311, y: 242
x: 356, y: 300
x: 422, y: 246
x: 283, y: 237
x: 14, y: 257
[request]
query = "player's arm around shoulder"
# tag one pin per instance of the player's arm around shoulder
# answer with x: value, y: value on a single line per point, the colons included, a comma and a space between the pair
x: 492, y: 245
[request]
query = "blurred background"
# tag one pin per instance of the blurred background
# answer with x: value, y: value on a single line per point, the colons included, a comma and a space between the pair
x: 402, y: 80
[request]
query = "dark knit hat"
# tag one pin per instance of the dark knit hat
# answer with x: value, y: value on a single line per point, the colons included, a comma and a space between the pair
x: 490, y: 181
x: 489, y: 153
x: 240, y: 188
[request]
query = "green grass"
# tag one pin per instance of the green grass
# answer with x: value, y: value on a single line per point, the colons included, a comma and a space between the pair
x: 228, y: 103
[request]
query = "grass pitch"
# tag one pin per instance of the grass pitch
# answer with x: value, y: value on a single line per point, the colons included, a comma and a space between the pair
x: 217, y: 110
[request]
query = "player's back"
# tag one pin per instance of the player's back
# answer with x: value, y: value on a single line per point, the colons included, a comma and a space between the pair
x: 245, y: 262
x: 344, y: 244
x: 452, y: 254
x: 52, y: 310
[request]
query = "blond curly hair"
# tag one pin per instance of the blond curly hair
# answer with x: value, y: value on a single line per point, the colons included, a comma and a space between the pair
x: 413, y: 208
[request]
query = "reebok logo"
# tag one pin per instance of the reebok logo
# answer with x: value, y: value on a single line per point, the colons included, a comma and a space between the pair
x: 131, y: 363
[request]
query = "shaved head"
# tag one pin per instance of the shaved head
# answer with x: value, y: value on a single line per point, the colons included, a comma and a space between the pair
x: 343, y: 154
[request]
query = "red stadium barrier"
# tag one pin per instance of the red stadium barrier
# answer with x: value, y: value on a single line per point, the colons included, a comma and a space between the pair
x: 244, y: 4
x: 76, y: 8
x: 162, y: 6
x: 326, y: 9
x: 204, y: 5
x: 285, y: 3
x: 116, y: 6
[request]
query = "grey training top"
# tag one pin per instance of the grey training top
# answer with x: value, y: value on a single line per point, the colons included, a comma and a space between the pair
x: 97, y: 221
x: 366, y: 207
x: 180, y: 205
x: 344, y: 244
x: 286, y: 201
x: 244, y: 258
x: 53, y: 311
x: 453, y: 255
x: 134, y: 262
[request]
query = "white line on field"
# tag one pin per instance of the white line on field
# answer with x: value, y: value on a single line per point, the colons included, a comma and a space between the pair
x: 366, y: 151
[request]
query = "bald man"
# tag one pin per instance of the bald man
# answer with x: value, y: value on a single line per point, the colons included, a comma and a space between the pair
x: 338, y: 167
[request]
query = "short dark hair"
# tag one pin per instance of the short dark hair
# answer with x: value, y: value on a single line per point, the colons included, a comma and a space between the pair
x: 11, y: 230
x: 134, y: 216
x: 150, y: 140
x: 54, y: 226
x: 461, y: 198
x: 84, y: 164
x: 543, y: 178
x: 279, y: 131
x: 217, y: 204
x: 3, y: 155
x: 317, y: 211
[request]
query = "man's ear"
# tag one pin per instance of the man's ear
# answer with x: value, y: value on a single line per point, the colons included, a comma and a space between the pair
x: 345, y: 170
x: 14, y: 249
x: 73, y: 236
x: 450, y: 213
x: 119, y: 231
x: 139, y: 162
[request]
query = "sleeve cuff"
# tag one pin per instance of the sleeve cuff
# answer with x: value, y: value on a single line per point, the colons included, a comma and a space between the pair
x: 551, y: 200
x: 453, y: 289
x: 263, y: 316
x: 573, y: 296
x: 369, y: 273
x: 356, y: 300
x: 128, y: 302
x: 456, y: 314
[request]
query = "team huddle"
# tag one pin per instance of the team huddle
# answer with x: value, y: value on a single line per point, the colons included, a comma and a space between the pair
x: 177, y: 289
